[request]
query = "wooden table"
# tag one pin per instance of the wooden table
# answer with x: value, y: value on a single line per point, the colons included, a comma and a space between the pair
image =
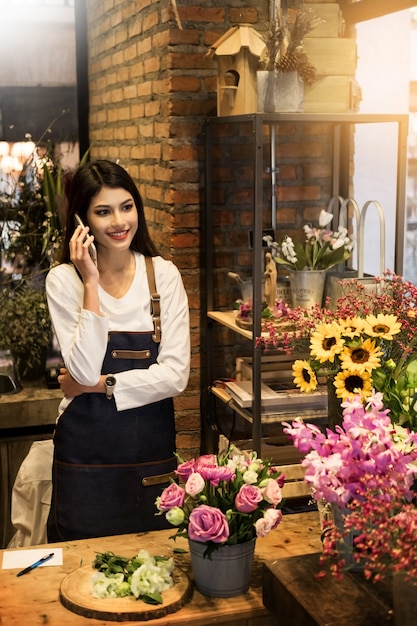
x: 33, y: 600
x: 292, y: 591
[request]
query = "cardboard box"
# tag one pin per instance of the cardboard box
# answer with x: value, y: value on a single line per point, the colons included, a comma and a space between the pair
x: 332, y: 94
x: 333, y: 24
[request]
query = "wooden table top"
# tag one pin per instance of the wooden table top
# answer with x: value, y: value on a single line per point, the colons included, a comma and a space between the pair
x: 292, y: 591
x: 33, y: 600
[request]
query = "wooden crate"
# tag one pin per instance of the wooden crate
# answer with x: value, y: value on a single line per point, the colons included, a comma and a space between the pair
x: 333, y: 24
x: 332, y: 94
x: 332, y: 56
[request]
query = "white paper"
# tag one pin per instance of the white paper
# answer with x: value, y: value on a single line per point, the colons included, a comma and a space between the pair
x: 24, y: 558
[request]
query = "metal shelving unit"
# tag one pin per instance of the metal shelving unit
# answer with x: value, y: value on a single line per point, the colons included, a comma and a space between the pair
x: 256, y: 124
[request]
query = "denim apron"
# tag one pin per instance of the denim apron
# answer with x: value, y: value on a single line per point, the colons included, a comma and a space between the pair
x: 110, y: 466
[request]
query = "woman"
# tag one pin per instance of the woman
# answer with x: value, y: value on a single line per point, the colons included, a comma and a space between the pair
x: 126, y: 348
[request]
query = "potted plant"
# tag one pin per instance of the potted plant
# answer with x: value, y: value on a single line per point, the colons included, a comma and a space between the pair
x: 284, y: 66
x: 224, y: 503
x: 366, y: 472
x: 308, y: 262
x: 25, y: 329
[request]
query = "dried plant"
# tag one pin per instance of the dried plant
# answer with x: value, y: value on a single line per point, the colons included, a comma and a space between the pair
x: 284, y: 44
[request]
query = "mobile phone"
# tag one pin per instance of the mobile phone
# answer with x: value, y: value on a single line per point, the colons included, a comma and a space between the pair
x: 91, y: 248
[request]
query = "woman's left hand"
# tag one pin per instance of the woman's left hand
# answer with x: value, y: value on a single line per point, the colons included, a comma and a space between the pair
x: 71, y: 388
x: 68, y: 384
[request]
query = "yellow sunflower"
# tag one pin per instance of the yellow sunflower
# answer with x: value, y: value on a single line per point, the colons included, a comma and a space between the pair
x: 351, y: 383
x: 304, y: 376
x: 361, y: 358
x: 382, y: 326
x: 351, y: 326
x: 326, y: 342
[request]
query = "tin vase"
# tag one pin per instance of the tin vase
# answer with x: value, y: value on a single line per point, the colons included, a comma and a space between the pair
x: 226, y: 573
x: 307, y: 287
x: 279, y: 91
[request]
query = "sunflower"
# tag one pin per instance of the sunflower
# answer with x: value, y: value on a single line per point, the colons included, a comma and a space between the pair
x: 304, y: 376
x: 363, y: 357
x: 350, y: 383
x: 382, y: 326
x: 351, y: 326
x: 326, y: 342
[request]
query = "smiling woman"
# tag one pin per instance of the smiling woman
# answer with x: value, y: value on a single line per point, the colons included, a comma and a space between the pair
x: 123, y: 330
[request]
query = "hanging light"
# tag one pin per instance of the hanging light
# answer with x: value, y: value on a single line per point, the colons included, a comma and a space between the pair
x: 23, y: 149
x: 11, y: 164
x: 4, y: 148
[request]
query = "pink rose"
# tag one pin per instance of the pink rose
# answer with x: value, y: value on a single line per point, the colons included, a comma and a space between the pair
x: 170, y: 497
x: 265, y: 524
x: 195, y: 484
x: 274, y: 516
x: 272, y: 492
x: 207, y: 523
x: 248, y: 498
x: 185, y: 469
x: 205, y: 460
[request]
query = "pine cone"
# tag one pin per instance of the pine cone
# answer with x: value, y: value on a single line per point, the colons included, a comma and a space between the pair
x: 306, y: 70
x: 287, y: 63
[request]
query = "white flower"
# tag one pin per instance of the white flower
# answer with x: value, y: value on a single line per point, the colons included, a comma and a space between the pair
x: 288, y: 250
x: 152, y: 576
x: 250, y: 477
x: 325, y: 218
x: 104, y: 587
x: 337, y: 242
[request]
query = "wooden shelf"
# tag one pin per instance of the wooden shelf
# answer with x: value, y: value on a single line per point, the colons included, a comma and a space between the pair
x: 269, y: 417
x: 228, y: 319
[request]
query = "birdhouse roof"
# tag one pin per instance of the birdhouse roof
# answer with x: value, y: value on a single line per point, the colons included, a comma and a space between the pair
x: 236, y: 38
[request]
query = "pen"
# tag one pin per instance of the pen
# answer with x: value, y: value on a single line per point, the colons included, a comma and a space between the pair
x: 31, y: 567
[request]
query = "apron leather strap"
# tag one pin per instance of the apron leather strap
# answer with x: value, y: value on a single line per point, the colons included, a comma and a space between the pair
x: 155, y: 300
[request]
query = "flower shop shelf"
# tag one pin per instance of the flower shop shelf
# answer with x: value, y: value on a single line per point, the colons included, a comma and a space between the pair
x: 252, y: 178
x: 269, y: 416
x: 228, y: 319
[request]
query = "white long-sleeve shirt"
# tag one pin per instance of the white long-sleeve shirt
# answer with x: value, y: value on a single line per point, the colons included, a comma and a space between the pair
x: 82, y: 335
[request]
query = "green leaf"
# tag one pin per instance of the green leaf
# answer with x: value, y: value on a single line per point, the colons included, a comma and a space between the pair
x: 152, y: 598
x: 412, y: 374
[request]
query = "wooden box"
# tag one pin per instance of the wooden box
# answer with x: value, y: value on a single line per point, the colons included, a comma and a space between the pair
x: 333, y: 24
x: 332, y: 94
x: 332, y: 56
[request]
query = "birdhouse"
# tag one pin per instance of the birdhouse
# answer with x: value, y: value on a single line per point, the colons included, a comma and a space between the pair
x: 237, y: 53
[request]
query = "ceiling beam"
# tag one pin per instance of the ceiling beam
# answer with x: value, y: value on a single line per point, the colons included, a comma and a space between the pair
x: 363, y: 10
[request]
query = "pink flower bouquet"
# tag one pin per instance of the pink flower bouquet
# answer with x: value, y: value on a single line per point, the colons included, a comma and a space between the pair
x: 366, y: 467
x: 224, y: 499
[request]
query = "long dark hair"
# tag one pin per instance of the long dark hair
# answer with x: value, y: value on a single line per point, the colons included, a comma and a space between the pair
x: 88, y: 180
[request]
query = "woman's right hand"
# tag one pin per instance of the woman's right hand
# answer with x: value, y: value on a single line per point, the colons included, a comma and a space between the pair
x: 79, y: 253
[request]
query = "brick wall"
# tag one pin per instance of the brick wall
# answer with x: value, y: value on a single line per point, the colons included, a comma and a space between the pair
x: 151, y: 87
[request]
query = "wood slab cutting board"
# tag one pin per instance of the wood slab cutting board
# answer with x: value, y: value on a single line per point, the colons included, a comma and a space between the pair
x: 76, y: 595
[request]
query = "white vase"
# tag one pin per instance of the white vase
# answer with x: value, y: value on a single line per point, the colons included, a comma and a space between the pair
x: 226, y: 573
x: 307, y: 287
